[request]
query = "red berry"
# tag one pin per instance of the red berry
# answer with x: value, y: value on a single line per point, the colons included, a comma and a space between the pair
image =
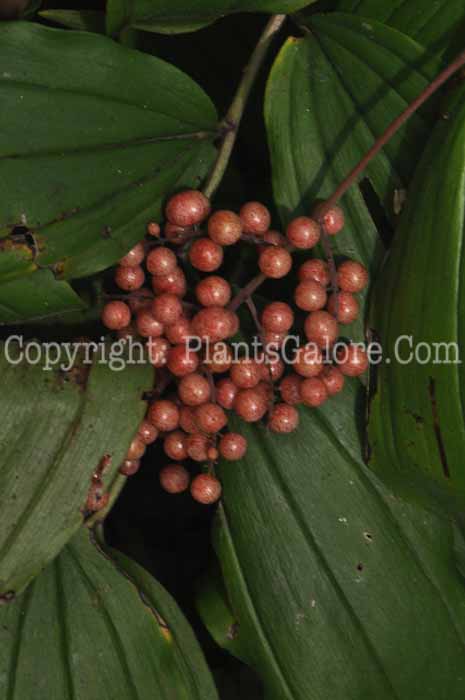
x: 197, y: 446
x: 147, y: 325
x: 290, y: 389
x: 255, y: 218
x: 116, y: 315
x: 174, y: 478
x: 283, y: 418
x: 136, y: 449
x: 182, y: 360
x: 333, y: 380
x: 275, y: 262
x: 352, y: 276
x: 153, y: 229
x: 212, y: 454
x: 332, y: 221
x: 316, y: 270
x: 175, y: 445
x: 177, y: 235
x: 205, y: 489
x: 205, y: 255
x: 321, y: 328
x: 140, y: 299
x: 180, y: 331
x: 245, y: 374
x: 187, y: 420
x: 213, y: 291
x: 313, y: 392
x: 308, y: 361
x: 352, y: 360
x: 347, y: 307
x: 129, y: 278
x: 129, y: 467
x: 265, y: 388
x: 187, y: 208
x: 224, y: 227
x: 161, y: 261
x: 250, y: 404
x: 277, y: 317
x: 167, y: 308
x: 210, y: 418
x: 134, y: 257
x: 194, y: 389
x: 147, y: 432
x: 164, y: 415
x: 219, y: 358
x: 273, y: 340
x: 157, y: 349
x: 303, y: 232
x: 232, y: 446
x: 226, y: 392
x: 173, y: 283
x: 212, y: 323
x: 273, y: 368
x: 310, y: 295
x: 274, y: 238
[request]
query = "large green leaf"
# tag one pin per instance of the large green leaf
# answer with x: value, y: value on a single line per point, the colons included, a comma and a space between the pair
x: 91, y: 629
x: 92, y: 138
x: 175, y: 16
x: 433, y: 24
x: 55, y: 428
x: 416, y: 430
x: 337, y: 589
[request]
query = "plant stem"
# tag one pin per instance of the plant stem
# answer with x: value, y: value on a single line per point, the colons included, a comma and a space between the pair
x: 392, y: 129
x: 233, y: 117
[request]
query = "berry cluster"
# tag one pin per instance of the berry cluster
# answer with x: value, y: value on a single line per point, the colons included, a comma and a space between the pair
x: 193, y: 420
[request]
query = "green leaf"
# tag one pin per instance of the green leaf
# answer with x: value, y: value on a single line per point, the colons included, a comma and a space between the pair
x: 434, y: 25
x: 176, y: 16
x: 15, y: 260
x: 91, y: 629
x: 84, y: 20
x: 55, y: 428
x: 329, y: 96
x: 338, y: 590
x: 416, y: 427
x: 100, y: 135
x: 37, y: 296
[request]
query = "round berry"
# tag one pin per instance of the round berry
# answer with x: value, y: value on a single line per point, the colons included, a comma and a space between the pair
x: 245, y: 374
x: 212, y: 454
x: 167, y: 308
x: 205, y: 255
x: 290, y: 389
x: 161, y: 261
x: 277, y: 317
x: 310, y: 295
x: 232, y: 446
x: 344, y: 307
x: 187, y: 208
x: 153, y: 229
x: 205, y: 489
x: 352, y: 360
x: 173, y: 283
x: 275, y: 262
x: 250, y: 404
x: 116, y: 315
x: 187, y: 420
x: 313, y: 392
x: 273, y: 368
x: 272, y: 340
x: 147, y: 432
x: 210, y: 418
x: 352, y: 276
x: 147, y: 325
x: 194, y: 389
x: 197, y: 446
x: 332, y: 221
x: 333, y: 380
x: 182, y: 360
x: 129, y: 278
x: 134, y: 257
x: 308, y: 361
x: 180, y: 331
x: 303, y: 233
x: 212, y: 323
x: 175, y: 445
x: 321, y: 328
x: 164, y: 415
x: 224, y: 227
x: 316, y: 270
x: 283, y: 418
x: 265, y: 388
x: 157, y: 349
x: 255, y: 218
x: 226, y: 392
x: 129, y: 467
x: 213, y: 291
x: 174, y: 478
x: 136, y: 449
x: 218, y: 359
